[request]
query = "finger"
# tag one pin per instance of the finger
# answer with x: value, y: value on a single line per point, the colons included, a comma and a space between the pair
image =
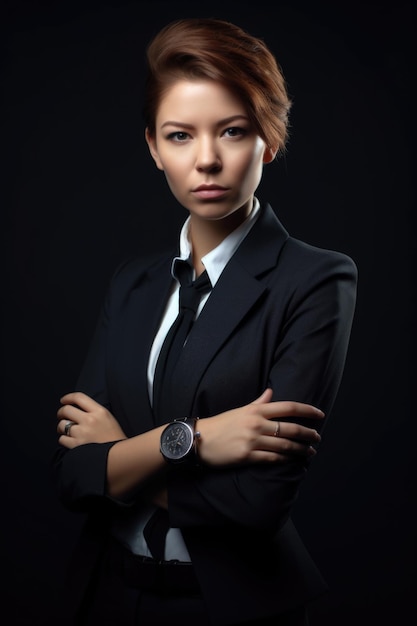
x: 65, y: 426
x: 265, y: 397
x: 289, y: 430
x: 80, y: 399
x: 290, y: 409
x: 67, y: 442
x: 70, y: 412
x: 285, y: 447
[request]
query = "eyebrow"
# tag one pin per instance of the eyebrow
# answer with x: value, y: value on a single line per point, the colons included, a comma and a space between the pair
x: 227, y: 120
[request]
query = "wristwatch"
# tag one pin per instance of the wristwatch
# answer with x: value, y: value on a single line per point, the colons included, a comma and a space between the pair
x: 178, y: 440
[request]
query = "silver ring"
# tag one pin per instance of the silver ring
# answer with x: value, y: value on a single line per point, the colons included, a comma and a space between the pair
x: 277, y: 429
x: 67, y: 427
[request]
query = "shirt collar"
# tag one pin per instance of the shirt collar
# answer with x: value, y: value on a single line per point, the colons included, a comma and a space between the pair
x: 216, y: 260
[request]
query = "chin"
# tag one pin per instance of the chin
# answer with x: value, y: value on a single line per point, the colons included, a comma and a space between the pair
x: 212, y: 215
x: 216, y: 210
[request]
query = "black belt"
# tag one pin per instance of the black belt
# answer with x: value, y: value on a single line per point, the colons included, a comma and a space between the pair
x: 146, y: 573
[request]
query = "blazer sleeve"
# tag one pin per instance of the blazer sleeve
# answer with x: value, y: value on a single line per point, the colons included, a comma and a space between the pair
x: 80, y: 474
x: 308, y: 350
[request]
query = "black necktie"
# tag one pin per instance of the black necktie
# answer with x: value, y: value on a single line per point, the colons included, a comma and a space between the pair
x: 190, y: 295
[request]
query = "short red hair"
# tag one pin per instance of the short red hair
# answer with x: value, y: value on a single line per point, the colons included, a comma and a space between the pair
x: 214, y: 49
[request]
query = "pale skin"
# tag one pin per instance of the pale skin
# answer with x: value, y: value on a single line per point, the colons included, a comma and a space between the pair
x: 212, y: 160
x: 245, y: 434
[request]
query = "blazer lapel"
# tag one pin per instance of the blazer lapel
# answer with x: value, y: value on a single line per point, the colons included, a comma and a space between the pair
x: 239, y: 289
x: 146, y: 307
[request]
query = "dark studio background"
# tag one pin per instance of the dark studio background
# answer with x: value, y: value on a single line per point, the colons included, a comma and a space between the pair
x: 79, y: 188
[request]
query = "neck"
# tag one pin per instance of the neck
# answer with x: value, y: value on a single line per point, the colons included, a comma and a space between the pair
x: 205, y: 235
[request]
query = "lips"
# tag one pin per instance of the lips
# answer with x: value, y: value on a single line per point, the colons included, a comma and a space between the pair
x: 209, y: 192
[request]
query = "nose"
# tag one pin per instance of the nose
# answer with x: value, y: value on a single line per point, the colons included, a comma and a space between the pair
x: 208, y: 157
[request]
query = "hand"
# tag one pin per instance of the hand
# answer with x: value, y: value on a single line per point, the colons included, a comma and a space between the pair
x: 92, y: 422
x: 249, y: 434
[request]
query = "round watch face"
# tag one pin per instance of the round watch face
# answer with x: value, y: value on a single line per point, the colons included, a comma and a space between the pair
x: 176, y: 441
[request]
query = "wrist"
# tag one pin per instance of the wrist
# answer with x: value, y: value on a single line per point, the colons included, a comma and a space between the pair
x: 179, y: 441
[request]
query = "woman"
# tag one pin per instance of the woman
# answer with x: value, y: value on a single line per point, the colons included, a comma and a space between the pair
x: 213, y: 448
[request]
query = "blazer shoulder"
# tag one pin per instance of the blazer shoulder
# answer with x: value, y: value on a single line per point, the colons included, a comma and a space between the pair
x: 282, y: 250
x: 302, y: 255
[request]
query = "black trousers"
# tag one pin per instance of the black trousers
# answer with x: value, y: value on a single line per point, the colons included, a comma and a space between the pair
x: 129, y: 591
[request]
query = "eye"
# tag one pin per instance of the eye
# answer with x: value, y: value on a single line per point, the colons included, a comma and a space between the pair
x: 235, y: 131
x: 178, y: 136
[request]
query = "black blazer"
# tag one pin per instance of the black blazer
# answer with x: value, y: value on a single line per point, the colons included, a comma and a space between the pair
x: 279, y: 316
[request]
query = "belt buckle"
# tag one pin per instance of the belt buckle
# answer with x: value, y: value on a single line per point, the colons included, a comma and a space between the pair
x: 159, y: 578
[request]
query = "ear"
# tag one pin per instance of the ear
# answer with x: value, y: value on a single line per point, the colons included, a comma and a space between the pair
x: 151, y: 141
x: 269, y: 154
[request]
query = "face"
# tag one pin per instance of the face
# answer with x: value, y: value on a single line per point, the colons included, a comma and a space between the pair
x: 210, y: 154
